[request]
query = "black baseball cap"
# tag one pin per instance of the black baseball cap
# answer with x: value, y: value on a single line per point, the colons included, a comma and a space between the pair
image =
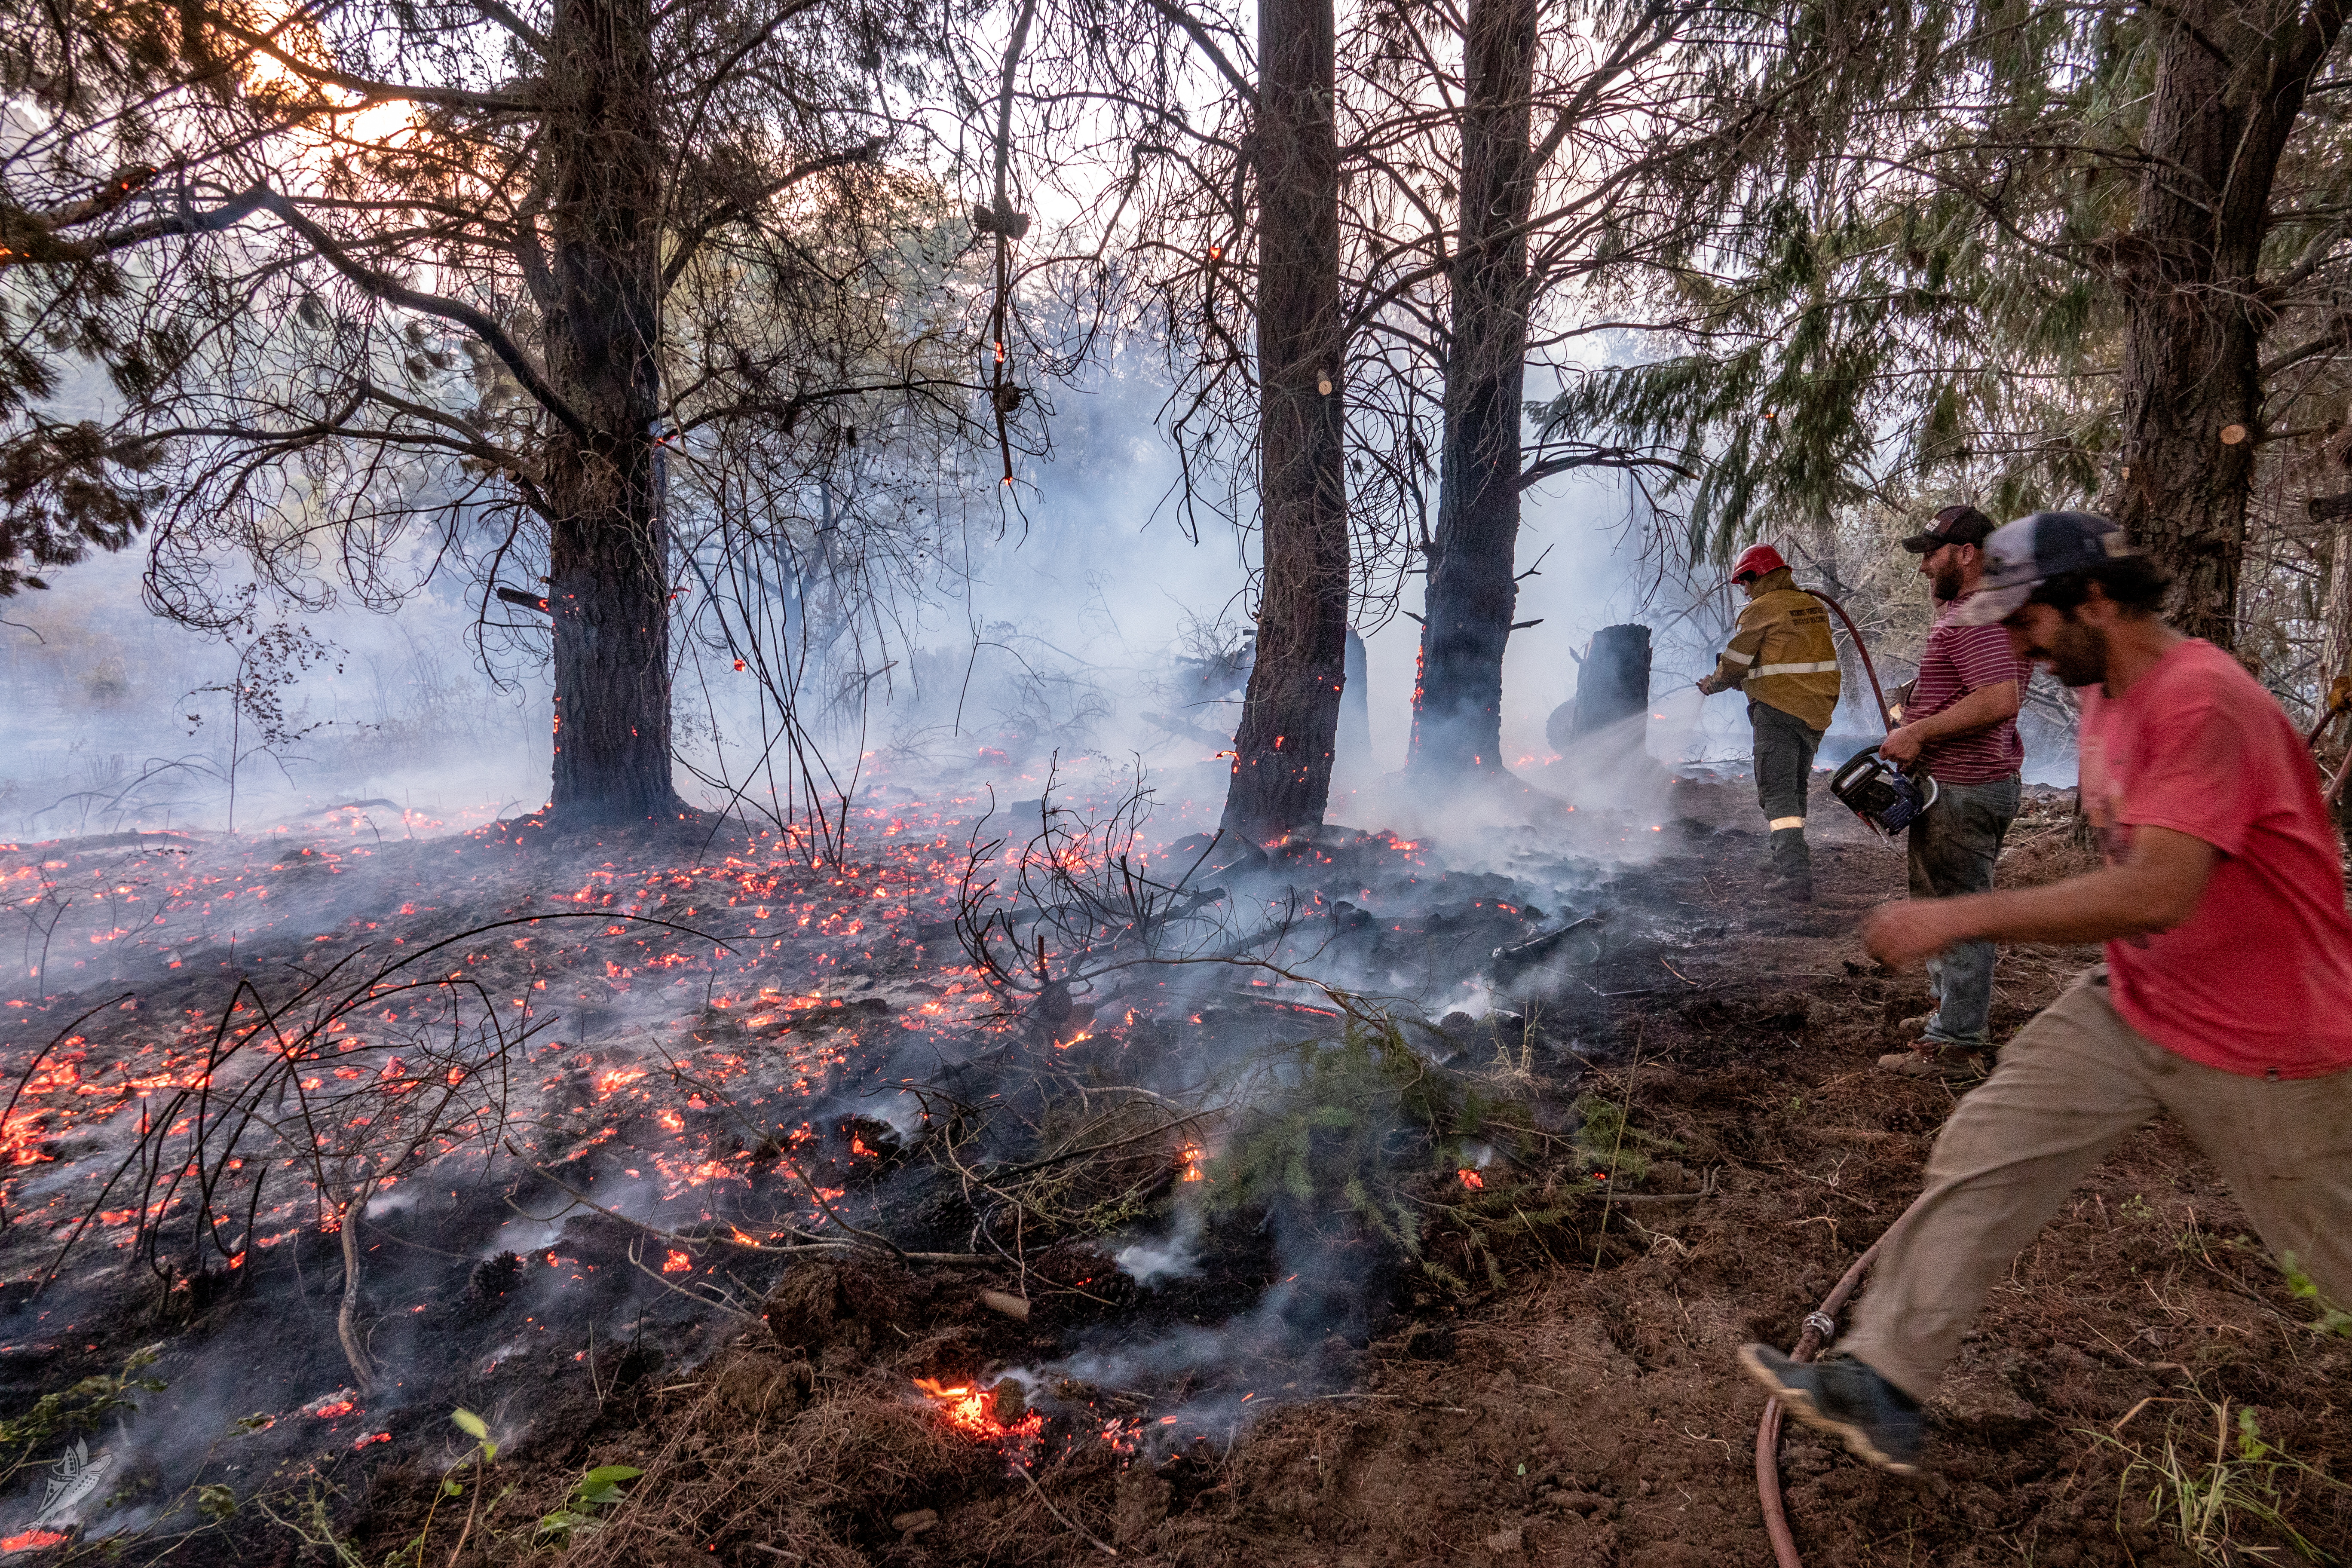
x: 1953, y: 525
x: 2026, y: 553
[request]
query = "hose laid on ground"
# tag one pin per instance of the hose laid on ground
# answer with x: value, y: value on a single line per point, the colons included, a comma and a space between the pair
x: 1822, y: 1323
x: 1819, y: 1326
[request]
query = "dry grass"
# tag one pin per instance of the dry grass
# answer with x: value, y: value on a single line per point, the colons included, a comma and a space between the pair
x: 792, y: 1483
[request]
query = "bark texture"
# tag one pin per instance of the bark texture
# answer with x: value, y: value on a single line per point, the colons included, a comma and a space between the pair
x: 1472, y: 587
x: 2231, y: 80
x: 1282, y: 752
x: 2336, y: 643
x: 608, y: 548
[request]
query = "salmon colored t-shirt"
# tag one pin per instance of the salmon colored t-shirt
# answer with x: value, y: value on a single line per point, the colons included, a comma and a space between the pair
x: 2259, y: 980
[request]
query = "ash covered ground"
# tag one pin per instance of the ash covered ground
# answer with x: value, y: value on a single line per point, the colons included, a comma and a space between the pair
x: 1406, y: 1208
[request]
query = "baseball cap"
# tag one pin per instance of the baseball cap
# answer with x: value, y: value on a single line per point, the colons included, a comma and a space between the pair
x: 2021, y: 556
x: 1952, y: 525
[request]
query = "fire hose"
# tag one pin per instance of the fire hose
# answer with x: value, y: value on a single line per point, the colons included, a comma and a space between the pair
x: 1853, y: 636
x: 1822, y: 1322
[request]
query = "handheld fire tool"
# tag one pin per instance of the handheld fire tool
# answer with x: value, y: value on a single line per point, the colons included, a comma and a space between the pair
x: 1881, y: 794
x: 1885, y: 797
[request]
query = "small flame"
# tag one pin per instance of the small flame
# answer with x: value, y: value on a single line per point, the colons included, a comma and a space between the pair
x: 1192, y: 1156
x: 340, y: 1408
x: 1471, y: 1179
x: 677, y: 1263
x: 970, y: 1411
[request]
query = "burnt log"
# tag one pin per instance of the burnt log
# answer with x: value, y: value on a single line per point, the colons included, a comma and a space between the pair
x: 1613, y: 683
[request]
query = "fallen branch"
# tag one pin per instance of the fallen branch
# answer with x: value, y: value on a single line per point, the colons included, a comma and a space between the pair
x: 813, y: 1243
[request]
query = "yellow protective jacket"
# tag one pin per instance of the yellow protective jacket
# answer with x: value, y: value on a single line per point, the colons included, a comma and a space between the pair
x: 1782, y: 655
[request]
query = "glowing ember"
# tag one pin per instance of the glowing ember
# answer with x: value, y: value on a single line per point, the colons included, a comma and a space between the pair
x: 1192, y: 1156
x: 373, y: 1438
x: 1471, y: 1179
x: 618, y: 1077
x: 677, y: 1263
x: 973, y: 1411
x: 340, y: 1408
x: 33, y: 1541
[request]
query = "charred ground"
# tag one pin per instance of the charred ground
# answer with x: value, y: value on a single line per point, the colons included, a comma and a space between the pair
x: 1668, y: 1113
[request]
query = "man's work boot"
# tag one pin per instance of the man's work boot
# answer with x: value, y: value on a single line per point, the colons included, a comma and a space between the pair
x: 1792, y: 865
x: 1877, y: 1421
x: 1929, y: 1060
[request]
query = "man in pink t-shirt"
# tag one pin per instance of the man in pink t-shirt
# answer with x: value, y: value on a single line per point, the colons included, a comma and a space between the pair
x: 2225, y: 999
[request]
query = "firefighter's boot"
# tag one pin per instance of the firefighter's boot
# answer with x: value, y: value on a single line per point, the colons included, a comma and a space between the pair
x: 1792, y: 865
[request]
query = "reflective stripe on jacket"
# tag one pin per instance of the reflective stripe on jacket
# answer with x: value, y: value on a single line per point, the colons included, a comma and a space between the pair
x: 1782, y: 655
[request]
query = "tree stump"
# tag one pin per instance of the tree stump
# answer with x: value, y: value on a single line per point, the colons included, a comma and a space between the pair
x: 1613, y: 683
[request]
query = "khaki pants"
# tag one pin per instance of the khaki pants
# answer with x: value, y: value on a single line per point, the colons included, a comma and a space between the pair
x: 2075, y: 1082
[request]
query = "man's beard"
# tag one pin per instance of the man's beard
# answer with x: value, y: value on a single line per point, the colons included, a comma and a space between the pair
x: 2077, y: 653
x: 1946, y: 582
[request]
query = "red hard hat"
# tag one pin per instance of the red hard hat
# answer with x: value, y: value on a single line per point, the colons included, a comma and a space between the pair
x: 1755, y: 561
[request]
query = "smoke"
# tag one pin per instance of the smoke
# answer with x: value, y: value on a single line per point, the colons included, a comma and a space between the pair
x: 713, y: 1076
x: 114, y: 719
x: 1175, y: 1256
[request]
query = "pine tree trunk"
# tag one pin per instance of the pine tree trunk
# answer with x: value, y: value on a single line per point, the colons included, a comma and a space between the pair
x: 1282, y: 761
x: 2230, y: 83
x: 608, y: 549
x: 2336, y: 638
x: 1472, y: 587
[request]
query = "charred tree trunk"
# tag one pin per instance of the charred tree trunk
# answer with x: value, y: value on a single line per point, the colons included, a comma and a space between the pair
x: 2230, y: 83
x: 1354, y: 751
x: 1282, y: 752
x: 608, y: 548
x: 1612, y: 684
x: 1472, y: 588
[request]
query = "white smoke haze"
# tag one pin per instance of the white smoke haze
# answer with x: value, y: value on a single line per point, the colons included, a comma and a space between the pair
x: 670, y: 1069
x: 1175, y: 1256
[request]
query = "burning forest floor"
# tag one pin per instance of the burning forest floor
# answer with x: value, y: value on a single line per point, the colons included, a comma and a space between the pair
x: 1006, y: 1196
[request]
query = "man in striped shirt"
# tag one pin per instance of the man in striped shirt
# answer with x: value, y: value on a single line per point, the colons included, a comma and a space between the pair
x: 1960, y: 727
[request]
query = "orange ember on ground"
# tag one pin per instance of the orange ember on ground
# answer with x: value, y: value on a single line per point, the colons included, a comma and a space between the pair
x: 967, y: 1410
x: 677, y: 1263
x: 33, y: 1541
x: 340, y: 1408
x: 1471, y: 1179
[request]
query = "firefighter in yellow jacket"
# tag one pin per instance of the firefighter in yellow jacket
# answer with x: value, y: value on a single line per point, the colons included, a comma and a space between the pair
x: 1782, y: 658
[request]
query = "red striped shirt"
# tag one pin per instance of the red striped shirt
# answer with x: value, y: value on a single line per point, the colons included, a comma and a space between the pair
x: 1958, y: 661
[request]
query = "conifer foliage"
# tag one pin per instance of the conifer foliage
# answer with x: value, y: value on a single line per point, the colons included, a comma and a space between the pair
x: 386, y: 288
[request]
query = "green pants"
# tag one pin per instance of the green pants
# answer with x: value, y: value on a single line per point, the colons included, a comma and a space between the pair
x: 1785, y: 745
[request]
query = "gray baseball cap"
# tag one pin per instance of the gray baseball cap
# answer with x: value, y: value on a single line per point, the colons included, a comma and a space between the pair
x: 2021, y: 556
